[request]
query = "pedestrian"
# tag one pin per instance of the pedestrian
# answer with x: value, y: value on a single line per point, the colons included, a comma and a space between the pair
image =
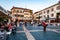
x: 13, y: 28
x: 16, y: 22
x: 9, y: 26
x: 25, y: 23
x: 2, y: 27
x: 44, y: 24
x: 6, y: 28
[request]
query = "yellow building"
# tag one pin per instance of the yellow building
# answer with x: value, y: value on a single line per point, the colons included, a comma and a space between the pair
x: 22, y: 14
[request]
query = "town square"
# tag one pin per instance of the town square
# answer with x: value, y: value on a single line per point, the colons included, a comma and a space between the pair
x: 29, y: 19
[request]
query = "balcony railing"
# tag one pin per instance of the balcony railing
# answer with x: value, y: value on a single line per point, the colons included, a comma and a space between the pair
x: 25, y: 18
x: 57, y: 11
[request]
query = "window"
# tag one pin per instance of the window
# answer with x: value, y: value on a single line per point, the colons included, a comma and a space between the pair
x: 21, y: 15
x: 25, y: 10
x: 52, y: 15
x: 40, y: 16
x: 52, y: 9
x: 20, y: 11
x: 47, y: 11
x: 40, y: 13
x: 44, y: 16
x: 16, y: 15
x: 17, y: 10
x: 44, y: 11
x: 13, y: 10
x: 58, y: 7
x: 47, y: 16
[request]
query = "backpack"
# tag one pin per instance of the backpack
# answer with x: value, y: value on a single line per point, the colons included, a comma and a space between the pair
x: 44, y: 24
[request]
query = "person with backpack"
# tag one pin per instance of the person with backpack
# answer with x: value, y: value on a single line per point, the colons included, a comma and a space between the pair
x: 44, y: 24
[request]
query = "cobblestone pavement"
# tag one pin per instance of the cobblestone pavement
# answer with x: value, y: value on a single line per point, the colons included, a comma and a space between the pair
x: 35, y: 32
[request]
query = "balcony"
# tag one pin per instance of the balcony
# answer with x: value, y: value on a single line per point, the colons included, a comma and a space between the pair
x: 24, y: 18
x: 57, y: 11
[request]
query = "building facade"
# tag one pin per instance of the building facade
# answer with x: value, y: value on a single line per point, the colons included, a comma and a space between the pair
x: 50, y: 14
x: 4, y: 15
x: 22, y: 14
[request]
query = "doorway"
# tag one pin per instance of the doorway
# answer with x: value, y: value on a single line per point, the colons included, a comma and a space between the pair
x: 58, y: 17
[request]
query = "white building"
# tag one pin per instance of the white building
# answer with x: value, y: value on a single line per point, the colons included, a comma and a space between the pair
x: 50, y: 14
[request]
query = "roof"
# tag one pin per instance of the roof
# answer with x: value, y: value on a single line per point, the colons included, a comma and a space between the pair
x: 21, y: 8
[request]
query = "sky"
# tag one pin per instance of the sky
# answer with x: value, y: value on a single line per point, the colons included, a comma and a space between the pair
x: 34, y: 5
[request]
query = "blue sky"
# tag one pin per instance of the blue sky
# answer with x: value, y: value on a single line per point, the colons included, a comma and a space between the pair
x: 35, y: 5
